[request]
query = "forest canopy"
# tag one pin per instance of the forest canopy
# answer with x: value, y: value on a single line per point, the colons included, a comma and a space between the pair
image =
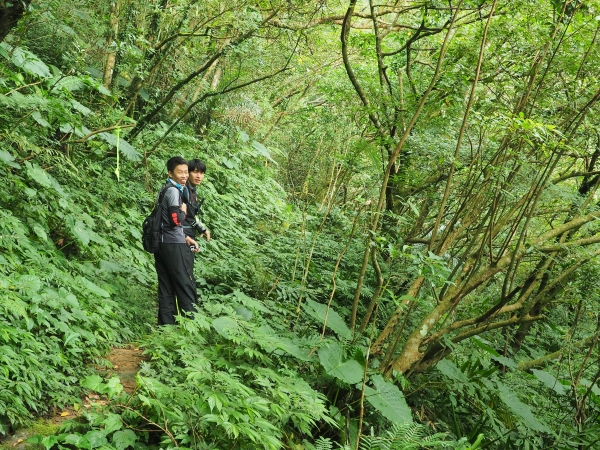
x: 403, y: 200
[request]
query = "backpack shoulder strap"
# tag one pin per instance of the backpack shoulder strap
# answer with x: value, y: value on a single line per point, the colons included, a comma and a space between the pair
x: 161, y: 195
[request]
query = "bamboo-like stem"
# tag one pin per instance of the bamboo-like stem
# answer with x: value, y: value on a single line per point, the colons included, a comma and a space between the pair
x: 461, y: 133
x: 399, y: 147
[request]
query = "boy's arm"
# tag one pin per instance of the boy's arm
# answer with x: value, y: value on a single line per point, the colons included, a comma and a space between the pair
x: 175, y: 210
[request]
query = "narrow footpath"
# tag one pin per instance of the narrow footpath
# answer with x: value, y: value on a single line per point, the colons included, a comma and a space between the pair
x: 125, y: 363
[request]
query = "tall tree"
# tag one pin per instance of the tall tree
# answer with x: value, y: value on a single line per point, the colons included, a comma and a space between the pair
x: 10, y: 13
x: 111, y: 43
x: 507, y: 256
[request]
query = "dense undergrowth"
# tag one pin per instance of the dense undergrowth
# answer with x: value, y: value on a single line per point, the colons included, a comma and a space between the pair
x: 256, y: 368
x: 245, y: 373
x: 71, y: 287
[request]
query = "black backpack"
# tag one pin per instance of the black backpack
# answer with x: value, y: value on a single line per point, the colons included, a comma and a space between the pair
x: 151, y: 224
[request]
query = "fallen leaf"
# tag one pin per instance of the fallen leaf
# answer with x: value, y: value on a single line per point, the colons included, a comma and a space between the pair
x: 64, y: 413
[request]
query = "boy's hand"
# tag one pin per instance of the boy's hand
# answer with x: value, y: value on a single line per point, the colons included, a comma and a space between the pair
x: 189, y: 241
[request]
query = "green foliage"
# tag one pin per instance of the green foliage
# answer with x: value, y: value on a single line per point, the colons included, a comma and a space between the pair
x: 323, y: 314
x: 71, y: 282
x: 295, y: 169
x: 106, y: 431
x: 521, y: 410
x: 389, y: 400
x: 201, y: 386
x: 56, y: 320
x: 413, y: 437
x: 331, y: 356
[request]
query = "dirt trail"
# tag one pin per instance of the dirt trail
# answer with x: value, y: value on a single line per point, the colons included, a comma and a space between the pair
x: 125, y: 364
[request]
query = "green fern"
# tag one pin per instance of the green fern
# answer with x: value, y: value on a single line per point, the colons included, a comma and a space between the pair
x: 404, y: 437
x: 320, y: 444
x: 13, y: 305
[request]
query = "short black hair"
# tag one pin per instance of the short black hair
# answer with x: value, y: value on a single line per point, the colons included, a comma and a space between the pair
x: 174, y: 162
x: 196, y: 164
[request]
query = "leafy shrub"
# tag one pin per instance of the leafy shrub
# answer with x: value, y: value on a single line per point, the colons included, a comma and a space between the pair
x: 222, y: 380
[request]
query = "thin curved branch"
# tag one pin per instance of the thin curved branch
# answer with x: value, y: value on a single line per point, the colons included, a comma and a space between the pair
x: 208, y: 95
x: 143, y: 122
x: 574, y: 175
x: 357, y: 87
x: 461, y: 133
x: 570, y: 244
x: 391, y: 163
x: 102, y: 130
x: 543, y: 360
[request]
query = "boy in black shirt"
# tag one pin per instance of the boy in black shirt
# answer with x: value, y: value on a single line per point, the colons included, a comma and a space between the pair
x: 196, y: 171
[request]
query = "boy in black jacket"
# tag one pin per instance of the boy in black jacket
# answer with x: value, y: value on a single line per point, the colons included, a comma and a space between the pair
x: 176, y: 286
x: 191, y: 224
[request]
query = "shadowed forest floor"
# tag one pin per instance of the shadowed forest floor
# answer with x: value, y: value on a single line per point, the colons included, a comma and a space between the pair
x: 125, y: 363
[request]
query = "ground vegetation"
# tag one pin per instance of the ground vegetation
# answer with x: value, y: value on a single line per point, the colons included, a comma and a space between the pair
x: 403, y: 199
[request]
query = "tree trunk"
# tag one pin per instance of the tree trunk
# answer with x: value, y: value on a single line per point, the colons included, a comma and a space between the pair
x: 111, y: 44
x: 10, y: 13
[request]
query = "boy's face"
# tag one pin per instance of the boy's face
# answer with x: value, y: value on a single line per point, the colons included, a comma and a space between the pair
x: 179, y: 174
x: 196, y: 177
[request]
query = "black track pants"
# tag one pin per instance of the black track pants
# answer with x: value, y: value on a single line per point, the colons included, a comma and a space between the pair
x: 176, y: 286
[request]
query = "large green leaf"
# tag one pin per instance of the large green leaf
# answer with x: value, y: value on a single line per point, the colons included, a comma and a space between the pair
x: 77, y: 440
x: 334, y: 320
x: 37, y: 116
x: 449, y: 369
x: 5, y: 53
x: 96, y: 438
x: 123, y: 439
x: 250, y: 302
x: 482, y: 343
x: 114, y: 387
x: 124, y: 147
x: 388, y: 400
x: 81, y: 233
x: 83, y: 131
x: 289, y: 347
x: 25, y: 60
x: 271, y: 342
x: 587, y: 384
x: 93, y: 288
x: 262, y: 150
x: 42, y: 177
x: 332, y: 360
x: 38, y: 174
x: 69, y: 83
x: 8, y: 159
x: 92, y: 382
x: 95, y: 237
x: 110, y: 266
x: 225, y: 325
x: 18, y: 100
x: 40, y: 232
x: 50, y: 441
x: 30, y: 283
x: 520, y: 409
x: 550, y: 381
x: 79, y: 107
